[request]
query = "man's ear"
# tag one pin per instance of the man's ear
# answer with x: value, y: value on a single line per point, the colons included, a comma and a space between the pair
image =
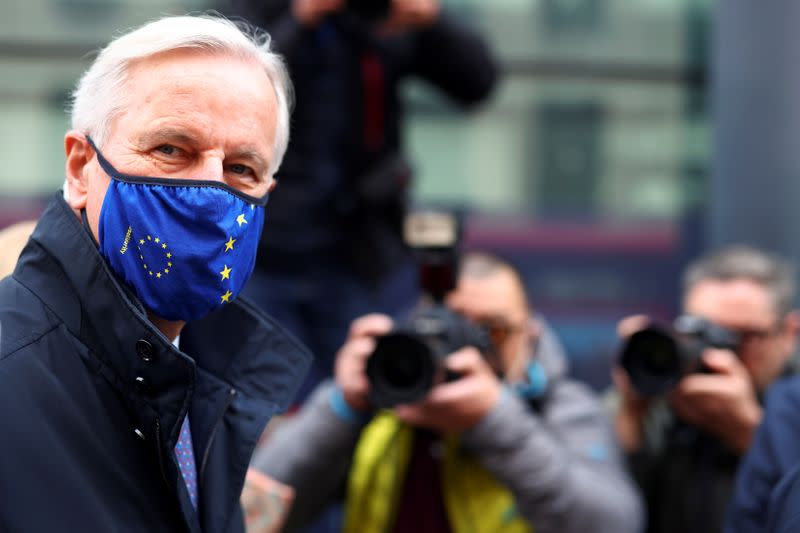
x: 791, y: 323
x: 79, y: 153
x: 790, y: 331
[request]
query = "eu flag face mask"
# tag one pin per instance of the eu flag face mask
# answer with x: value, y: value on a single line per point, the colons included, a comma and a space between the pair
x: 185, y: 247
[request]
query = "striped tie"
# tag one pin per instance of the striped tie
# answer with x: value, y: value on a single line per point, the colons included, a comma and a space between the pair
x: 185, y: 455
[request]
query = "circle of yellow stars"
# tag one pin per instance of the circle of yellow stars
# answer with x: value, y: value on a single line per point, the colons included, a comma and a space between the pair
x: 159, y: 244
x: 225, y: 273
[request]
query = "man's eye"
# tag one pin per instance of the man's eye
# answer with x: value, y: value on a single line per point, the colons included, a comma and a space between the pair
x: 241, y: 169
x: 167, y: 149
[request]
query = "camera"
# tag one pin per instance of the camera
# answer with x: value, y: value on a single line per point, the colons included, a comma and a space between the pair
x: 409, y: 360
x: 656, y: 358
x: 370, y: 9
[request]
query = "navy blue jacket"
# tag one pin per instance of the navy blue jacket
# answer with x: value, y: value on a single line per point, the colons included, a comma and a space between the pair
x: 767, y: 494
x: 92, y: 397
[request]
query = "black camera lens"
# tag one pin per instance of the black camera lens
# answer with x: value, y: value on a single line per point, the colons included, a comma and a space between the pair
x: 653, y: 361
x: 400, y: 370
x: 658, y: 355
x: 403, y: 362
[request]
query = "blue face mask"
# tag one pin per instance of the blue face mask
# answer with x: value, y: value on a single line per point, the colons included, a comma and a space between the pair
x: 185, y: 247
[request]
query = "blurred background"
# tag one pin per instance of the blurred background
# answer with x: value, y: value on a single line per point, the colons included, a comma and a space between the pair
x: 589, y: 169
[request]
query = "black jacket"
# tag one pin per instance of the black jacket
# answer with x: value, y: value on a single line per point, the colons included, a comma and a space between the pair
x: 343, y: 183
x: 686, y: 477
x: 92, y: 397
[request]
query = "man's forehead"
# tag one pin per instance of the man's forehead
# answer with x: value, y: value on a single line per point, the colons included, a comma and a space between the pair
x: 735, y: 300
x: 194, y: 97
x: 496, y: 294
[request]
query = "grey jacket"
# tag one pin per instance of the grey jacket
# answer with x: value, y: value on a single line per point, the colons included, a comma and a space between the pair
x: 560, y: 460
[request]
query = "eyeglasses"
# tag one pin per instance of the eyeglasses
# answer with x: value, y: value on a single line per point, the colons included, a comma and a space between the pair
x: 755, y: 335
x: 499, y: 329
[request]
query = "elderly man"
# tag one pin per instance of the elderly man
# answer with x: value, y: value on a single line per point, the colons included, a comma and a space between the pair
x: 685, y: 448
x: 511, y: 446
x: 133, y: 386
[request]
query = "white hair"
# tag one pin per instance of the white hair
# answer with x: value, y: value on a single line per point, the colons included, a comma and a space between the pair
x: 98, y: 98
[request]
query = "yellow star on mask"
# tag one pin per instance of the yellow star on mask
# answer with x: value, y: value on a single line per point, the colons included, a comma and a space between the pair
x: 226, y: 298
x: 158, y: 274
x: 226, y: 273
x: 141, y: 241
x: 241, y: 220
x: 158, y: 240
x: 169, y: 255
x: 229, y: 244
x: 164, y: 245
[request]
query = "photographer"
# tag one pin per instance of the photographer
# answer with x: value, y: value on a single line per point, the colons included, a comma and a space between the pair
x: 345, y: 173
x: 684, y: 448
x: 510, y: 445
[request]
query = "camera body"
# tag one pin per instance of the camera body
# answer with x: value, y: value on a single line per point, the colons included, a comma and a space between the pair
x: 371, y: 10
x: 656, y: 358
x: 409, y: 360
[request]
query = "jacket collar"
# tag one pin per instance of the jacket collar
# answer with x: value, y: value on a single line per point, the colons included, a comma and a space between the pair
x: 236, y: 347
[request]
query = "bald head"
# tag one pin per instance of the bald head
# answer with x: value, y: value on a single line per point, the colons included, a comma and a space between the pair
x: 480, y: 266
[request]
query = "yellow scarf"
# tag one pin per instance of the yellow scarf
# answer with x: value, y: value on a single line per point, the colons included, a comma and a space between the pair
x: 474, y: 500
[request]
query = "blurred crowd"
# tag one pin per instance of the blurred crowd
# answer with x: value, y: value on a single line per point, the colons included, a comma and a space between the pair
x: 438, y: 398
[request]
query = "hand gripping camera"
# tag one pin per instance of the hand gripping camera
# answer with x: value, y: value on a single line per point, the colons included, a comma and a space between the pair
x: 656, y: 358
x: 408, y: 361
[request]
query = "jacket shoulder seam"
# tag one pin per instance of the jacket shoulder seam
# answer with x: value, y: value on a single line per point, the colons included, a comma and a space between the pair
x: 24, y: 342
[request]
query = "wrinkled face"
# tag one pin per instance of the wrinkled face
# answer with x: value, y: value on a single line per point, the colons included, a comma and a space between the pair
x: 497, y: 302
x: 188, y: 115
x: 746, y: 307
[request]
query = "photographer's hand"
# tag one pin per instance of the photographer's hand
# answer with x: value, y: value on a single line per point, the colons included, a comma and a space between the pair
x: 411, y: 14
x: 351, y: 361
x: 457, y: 405
x: 723, y: 403
x: 311, y: 12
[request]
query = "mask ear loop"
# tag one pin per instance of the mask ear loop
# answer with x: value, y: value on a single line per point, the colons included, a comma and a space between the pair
x: 84, y: 218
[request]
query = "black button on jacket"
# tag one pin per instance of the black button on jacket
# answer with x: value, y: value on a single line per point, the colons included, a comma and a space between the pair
x: 92, y: 397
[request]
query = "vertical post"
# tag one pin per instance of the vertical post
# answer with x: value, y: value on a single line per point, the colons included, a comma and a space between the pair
x: 754, y: 194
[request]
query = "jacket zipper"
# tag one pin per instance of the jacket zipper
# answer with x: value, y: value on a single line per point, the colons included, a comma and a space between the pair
x: 231, y: 395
